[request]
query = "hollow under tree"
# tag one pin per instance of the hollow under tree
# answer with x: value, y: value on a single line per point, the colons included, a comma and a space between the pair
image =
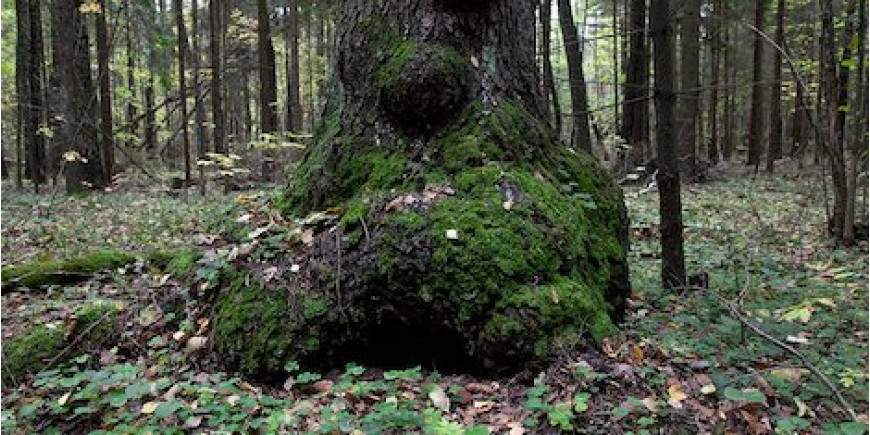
x: 464, y: 230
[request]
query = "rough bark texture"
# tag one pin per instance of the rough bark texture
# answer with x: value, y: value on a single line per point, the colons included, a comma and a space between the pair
x: 774, y: 149
x: 635, y: 121
x: 76, y: 96
x: 217, y: 104
x: 182, y: 85
x: 107, y: 137
x: 755, y: 136
x: 266, y: 69
x: 670, y: 204
x: 467, y: 231
x: 294, y: 102
x: 689, y: 100
x: 29, y: 87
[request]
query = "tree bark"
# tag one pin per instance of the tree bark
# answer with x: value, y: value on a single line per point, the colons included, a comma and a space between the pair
x: 774, y: 149
x: 182, y: 87
x: 294, y: 103
x: 635, y: 127
x: 715, y: 67
x: 77, y: 133
x: 266, y: 68
x: 689, y: 100
x: 756, y: 127
x: 29, y: 75
x: 107, y: 137
x: 217, y: 106
x: 452, y: 188
x: 673, y: 271
x: 580, y: 135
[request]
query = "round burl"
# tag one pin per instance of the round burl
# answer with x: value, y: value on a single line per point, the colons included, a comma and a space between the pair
x: 468, y: 237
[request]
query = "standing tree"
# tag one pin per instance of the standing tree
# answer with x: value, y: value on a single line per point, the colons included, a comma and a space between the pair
x: 756, y: 126
x: 580, y: 137
x: 266, y: 69
x: 467, y: 229
x: 217, y: 105
x: 29, y: 73
x: 670, y: 204
x: 774, y: 148
x: 77, y: 132
x: 294, y: 103
x: 689, y: 79
x: 551, y: 97
x: 107, y: 136
x: 635, y: 116
x: 178, y: 5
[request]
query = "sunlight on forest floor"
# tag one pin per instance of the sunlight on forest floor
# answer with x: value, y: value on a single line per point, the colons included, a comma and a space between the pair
x: 681, y: 363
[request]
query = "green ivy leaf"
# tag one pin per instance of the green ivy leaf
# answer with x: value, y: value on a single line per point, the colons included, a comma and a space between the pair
x: 749, y: 395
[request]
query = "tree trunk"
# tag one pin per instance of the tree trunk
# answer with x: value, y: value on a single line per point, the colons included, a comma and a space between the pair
x: 107, y: 136
x: 462, y: 215
x: 756, y: 126
x: 29, y: 55
x: 132, y: 118
x: 77, y: 132
x: 670, y: 205
x: 217, y: 106
x: 635, y: 127
x: 266, y: 68
x: 689, y: 101
x: 580, y: 136
x: 199, y: 110
x: 774, y: 149
x: 728, y: 138
x: 294, y: 103
x: 182, y: 86
x: 715, y: 55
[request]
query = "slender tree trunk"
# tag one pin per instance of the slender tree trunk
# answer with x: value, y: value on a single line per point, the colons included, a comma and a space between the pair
x: 670, y: 205
x: 29, y: 55
x: 690, y: 94
x: 22, y: 92
x: 635, y: 126
x: 756, y: 126
x: 615, y: 55
x: 294, y: 104
x: 132, y: 118
x: 544, y: 11
x: 182, y: 86
x: 729, y: 136
x: 266, y: 67
x: 715, y: 55
x: 580, y: 134
x: 774, y: 149
x: 107, y: 138
x: 77, y: 133
x: 217, y: 107
x: 199, y: 111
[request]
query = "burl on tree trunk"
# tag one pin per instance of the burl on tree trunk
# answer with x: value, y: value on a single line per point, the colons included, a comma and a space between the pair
x: 469, y: 233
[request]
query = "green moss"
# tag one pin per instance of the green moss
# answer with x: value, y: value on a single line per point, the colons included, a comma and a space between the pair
x: 401, y: 55
x: 40, y: 273
x: 183, y: 262
x: 30, y: 351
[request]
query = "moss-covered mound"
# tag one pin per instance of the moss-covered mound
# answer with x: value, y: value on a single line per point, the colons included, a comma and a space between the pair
x: 499, y: 248
x: 30, y: 351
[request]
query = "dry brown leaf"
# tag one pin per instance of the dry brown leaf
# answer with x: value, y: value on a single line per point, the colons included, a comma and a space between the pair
x: 676, y: 396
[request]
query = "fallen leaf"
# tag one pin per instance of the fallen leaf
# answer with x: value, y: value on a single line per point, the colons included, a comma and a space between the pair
x: 65, y: 398
x: 234, y: 399
x: 322, y: 386
x: 307, y: 237
x: 636, y: 353
x: 451, y: 234
x: 507, y: 205
x: 439, y: 399
x: 651, y: 404
x: 149, y: 407
x: 708, y: 389
x: 196, y: 343
x: 193, y: 422
x: 676, y: 396
x: 295, y: 268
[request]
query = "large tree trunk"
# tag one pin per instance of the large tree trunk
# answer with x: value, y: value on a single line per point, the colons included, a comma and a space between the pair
x: 466, y: 230
x: 77, y: 134
x: 670, y: 205
x: 29, y: 55
x: 580, y: 136
x: 266, y: 68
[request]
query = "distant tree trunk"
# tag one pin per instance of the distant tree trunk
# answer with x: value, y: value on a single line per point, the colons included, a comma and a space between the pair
x: 729, y: 136
x: 29, y: 76
x: 544, y: 11
x: 132, y: 118
x: 77, y: 132
x: 635, y: 117
x: 756, y: 126
x: 774, y: 149
x: 182, y: 86
x: 858, y: 141
x: 199, y: 109
x: 670, y: 205
x: 107, y: 138
x: 798, y: 127
x: 715, y: 29
x: 294, y: 104
x: 689, y: 100
x: 615, y: 55
x: 266, y: 68
x: 580, y: 135
x: 217, y: 106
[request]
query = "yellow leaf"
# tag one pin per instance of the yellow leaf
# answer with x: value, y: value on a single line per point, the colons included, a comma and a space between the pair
x: 149, y: 407
x: 636, y: 353
x: 676, y: 396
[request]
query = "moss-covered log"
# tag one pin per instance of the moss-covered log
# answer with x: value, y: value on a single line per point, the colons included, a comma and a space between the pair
x: 93, y: 327
x: 41, y: 273
x: 469, y: 231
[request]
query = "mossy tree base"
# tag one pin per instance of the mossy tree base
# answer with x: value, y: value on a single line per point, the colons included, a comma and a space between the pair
x: 469, y: 231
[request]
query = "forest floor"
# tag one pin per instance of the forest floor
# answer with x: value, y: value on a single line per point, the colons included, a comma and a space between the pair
x: 688, y: 362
